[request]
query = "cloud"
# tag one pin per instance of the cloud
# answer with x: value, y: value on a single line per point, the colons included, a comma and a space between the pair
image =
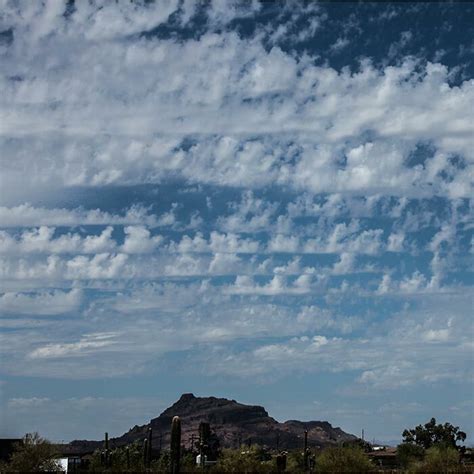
x: 26, y: 215
x: 138, y: 240
x: 200, y: 182
x: 282, y: 119
x: 244, y: 285
x: 218, y: 242
x: 383, y: 361
x: 89, y: 20
x: 41, y: 240
x: 86, y: 345
x: 42, y: 304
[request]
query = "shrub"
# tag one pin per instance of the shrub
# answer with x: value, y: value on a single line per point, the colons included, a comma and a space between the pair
x: 34, y: 454
x: 409, y: 453
x: 440, y: 459
x: 245, y: 460
x: 343, y: 459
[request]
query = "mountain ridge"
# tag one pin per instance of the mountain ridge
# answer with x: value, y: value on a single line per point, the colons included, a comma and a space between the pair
x: 233, y: 423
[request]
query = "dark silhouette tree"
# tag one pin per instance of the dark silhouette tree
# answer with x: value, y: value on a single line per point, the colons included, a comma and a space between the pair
x: 432, y: 434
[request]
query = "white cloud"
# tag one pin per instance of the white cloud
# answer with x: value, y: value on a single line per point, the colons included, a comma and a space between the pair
x: 346, y: 238
x: 282, y: 120
x: 138, y: 240
x: 251, y: 214
x: 395, y: 242
x: 409, y: 353
x: 339, y: 45
x: 436, y: 335
x: 218, y: 242
x: 43, y: 303
x: 25, y: 215
x: 245, y: 285
x: 414, y: 283
x: 86, y: 345
x: 101, y: 265
x: 353, y: 212
x: 41, y: 240
x: 93, y: 21
x: 283, y: 243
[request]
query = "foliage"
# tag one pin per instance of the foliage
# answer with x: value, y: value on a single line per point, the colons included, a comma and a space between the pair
x: 440, y: 459
x: 343, y: 459
x: 295, y: 461
x: 432, y: 434
x: 409, y: 453
x: 136, y: 461
x: 358, y: 443
x: 120, y: 460
x: 34, y: 454
x: 245, y: 460
x: 188, y: 462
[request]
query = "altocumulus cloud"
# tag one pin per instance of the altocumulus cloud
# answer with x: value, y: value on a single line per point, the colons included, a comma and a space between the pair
x: 236, y: 191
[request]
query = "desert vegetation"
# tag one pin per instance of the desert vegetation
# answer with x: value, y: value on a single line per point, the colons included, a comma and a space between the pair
x: 426, y: 448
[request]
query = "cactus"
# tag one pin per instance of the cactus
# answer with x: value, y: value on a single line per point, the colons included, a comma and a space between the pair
x: 175, y: 444
x: 127, y: 455
x: 281, y: 462
x: 150, y: 438
x: 145, y: 452
x: 204, y: 435
x: 306, y: 451
x: 105, y: 459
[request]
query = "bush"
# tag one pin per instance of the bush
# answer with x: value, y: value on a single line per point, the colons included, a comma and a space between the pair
x: 440, y: 459
x: 408, y: 453
x: 245, y: 460
x: 118, y: 459
x: 343, y: 459
x: 295, y: 461
x: 34, y: 454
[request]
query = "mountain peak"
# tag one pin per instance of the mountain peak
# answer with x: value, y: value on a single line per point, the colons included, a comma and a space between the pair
x: 186, y: 397
x: 234, y: 423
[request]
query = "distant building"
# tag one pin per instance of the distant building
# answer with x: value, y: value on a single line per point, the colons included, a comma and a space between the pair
x: 70, y: 464
x: 384, y: 456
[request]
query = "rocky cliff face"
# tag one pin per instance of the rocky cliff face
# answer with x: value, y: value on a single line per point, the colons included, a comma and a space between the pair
x: 234, y: 424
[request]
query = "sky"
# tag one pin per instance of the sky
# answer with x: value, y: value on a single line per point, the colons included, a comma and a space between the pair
x: 268, y: 202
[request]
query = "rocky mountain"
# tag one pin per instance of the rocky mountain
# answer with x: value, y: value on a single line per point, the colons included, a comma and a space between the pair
x: 234, y: 423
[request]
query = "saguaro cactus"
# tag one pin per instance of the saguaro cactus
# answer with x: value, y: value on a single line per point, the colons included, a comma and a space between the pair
x: 106, y: 454
x: 281, y: 462
x: 150, y: 439
x: 306, y: 451
x: 145, y: 452
x: 204, y: 435
x: 175, y: 450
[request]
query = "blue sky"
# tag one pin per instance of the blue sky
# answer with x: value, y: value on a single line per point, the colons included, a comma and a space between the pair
x: 266, y: 202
